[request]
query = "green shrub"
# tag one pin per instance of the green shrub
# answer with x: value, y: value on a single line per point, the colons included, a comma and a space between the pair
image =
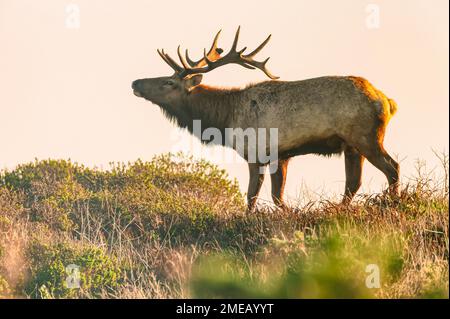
x: 98, y: 272
x: 59, y: 193
x: 333, y: 266
x: 165, y: 217
x: 4, y: 288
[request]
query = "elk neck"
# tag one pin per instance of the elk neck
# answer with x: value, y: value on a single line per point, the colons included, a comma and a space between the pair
x: 213, y: 106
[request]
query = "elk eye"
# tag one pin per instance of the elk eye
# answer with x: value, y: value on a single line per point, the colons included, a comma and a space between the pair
x: 169, y: 83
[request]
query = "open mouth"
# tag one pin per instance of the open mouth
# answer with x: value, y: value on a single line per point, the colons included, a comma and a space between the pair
x: 137, y: 93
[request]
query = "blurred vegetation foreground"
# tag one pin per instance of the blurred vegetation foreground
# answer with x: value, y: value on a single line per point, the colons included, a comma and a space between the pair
x: 175, y: 227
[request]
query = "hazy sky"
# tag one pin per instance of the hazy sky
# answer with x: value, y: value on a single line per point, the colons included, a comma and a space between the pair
x: 65, y: 91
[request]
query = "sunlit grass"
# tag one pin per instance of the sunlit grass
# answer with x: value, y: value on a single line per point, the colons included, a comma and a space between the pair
x: 177, y: 228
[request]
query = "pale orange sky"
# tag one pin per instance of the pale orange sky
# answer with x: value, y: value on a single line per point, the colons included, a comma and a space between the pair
x: 65, y: 93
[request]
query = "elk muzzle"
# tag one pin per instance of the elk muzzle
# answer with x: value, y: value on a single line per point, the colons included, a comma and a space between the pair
x: 136, y: 86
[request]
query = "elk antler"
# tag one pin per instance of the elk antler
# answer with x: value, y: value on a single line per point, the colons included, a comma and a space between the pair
x: 213, y: 54
x: 212, y: 59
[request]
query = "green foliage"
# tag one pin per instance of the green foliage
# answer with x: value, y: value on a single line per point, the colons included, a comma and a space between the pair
x: 175, y: 227
x: 331, y: 267
x: 98, y: 271
x: 10, y: 206
x: 4, y: 287
x: 170, y: 187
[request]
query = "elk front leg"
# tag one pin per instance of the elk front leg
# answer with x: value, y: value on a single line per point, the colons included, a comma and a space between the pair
x: 353, y: 170
x: 278, y: 180
x: 254, y: 185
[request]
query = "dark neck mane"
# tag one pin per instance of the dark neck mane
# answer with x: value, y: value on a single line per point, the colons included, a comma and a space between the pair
x: 213, y: 106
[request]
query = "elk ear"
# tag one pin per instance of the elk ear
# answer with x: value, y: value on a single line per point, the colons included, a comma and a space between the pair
x: 193, y: 81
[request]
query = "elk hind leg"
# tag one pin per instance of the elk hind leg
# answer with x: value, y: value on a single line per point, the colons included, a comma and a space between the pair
x: 353, y: 171
x: 379, y: 158
x: 278, y: 181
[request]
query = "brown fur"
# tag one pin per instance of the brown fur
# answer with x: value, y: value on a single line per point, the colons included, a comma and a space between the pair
x: 325, y: 116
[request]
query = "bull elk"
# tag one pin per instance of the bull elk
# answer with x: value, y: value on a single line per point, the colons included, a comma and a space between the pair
x: 326, y: 115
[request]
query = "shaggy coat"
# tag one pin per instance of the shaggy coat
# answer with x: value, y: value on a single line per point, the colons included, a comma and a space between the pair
x: 325, y: 116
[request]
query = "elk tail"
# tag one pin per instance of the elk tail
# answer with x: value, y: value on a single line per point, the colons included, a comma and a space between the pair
x: 392, y: 107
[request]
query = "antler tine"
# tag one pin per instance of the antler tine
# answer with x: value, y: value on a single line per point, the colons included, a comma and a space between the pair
x: 236, y: 39
x: 214, y: 44
x: 182, y: 59
x: 213, y: 54
x: 205, y: 57
x: 188, y: 59
x: 231, y: 57
x: 248, y: 59
x: 212, y: 59
x: 174, y: 65
x: 161, y: 54
x: 259, y: 48
x: 191, y: 62
x: 172, y: 61
x: 262, y: 67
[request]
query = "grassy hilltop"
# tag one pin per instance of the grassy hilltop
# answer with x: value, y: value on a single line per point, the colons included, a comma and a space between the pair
x: 177, y: 228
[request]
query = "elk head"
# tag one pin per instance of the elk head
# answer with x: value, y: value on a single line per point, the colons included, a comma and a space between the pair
x: 171, y: 91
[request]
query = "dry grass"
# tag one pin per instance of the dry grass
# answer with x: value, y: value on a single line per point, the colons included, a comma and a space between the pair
x: 178, y: 229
